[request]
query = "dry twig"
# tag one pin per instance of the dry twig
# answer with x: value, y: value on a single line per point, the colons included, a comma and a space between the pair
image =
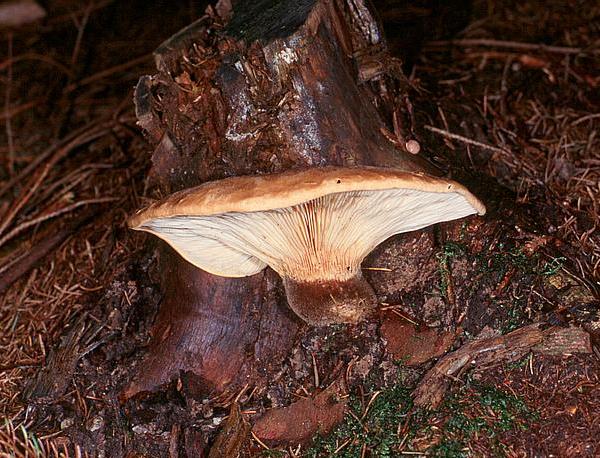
x: 56, y: 152
x: 513, y: 45
x: 7, y: 119
x: 23, y: 264
x: 466, y: 140
x: 69, y: 208
x: 496, y: 350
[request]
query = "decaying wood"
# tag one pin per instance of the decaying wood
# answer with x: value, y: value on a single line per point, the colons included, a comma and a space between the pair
x: 212, y: 328
x: 411, y: 343
x: 280, y: 86
x: 232, y: 437
x: 53, y: 380
x: 304, y: 418
x: 271, y: 91
x: 501, y: 349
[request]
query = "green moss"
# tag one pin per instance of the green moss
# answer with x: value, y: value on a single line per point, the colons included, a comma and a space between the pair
x: 515, y: 316
x: 376, y: 430
x: 476, y: 410
x: 450, y: 250
x: 464, y: 424
x: 449, y: 449
x: 553, y: 266
x: 505, y: 259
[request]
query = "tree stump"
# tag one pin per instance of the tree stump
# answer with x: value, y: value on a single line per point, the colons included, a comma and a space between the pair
x: 281, y: 85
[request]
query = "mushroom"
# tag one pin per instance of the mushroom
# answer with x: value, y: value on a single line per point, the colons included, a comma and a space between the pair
x: 312, y: 226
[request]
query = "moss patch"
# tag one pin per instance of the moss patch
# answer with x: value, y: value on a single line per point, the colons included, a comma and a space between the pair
x: 384, y: 424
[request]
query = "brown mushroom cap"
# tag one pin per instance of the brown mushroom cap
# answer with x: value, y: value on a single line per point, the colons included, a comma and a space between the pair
x: 311, y: 226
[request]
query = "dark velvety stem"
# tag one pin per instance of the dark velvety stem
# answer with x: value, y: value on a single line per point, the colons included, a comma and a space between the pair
x: 328, y: 302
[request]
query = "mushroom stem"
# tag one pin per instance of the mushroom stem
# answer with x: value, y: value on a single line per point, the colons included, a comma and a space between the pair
x: 320, y: 303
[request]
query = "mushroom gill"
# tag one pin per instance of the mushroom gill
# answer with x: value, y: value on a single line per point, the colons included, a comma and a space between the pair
x: 316, y: 246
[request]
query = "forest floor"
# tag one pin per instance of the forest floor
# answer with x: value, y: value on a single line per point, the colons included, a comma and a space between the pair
x: 78, y: 292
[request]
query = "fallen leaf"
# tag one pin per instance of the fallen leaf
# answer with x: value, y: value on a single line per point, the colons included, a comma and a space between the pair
x: 303, y: 419
x: 412, y: 344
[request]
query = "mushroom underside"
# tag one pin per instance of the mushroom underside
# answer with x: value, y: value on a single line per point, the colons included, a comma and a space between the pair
x: 316, y: 246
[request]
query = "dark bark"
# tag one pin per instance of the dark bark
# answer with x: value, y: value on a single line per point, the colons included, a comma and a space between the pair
x: 212, y: 327
x: 238, y: 107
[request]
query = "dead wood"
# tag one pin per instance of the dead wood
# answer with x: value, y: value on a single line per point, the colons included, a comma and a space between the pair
x: 304, y: 418
x: 539, y: 112
x: 276, y: 88
x: 53, y: 380
x: 232, y: 437
x: 212, y: 328
x: 492, y: 351
x: 541, y: 47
